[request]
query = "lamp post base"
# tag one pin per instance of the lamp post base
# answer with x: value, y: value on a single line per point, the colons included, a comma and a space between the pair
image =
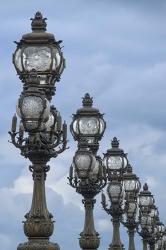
x: 38, y: 244
x: 89, y: 242
x: 115, y: 247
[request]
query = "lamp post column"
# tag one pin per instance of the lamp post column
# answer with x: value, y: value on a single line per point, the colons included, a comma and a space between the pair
x: 89, y: 237
x: 116, y: 241
x: 38, y: 226
x: 131, y: 233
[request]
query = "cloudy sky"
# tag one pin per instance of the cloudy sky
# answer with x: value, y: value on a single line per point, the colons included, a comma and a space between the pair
x: 116, y: 51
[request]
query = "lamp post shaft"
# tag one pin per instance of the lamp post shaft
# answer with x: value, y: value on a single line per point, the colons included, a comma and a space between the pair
x: 89, y: 239
x: 116, y: 241
x: 38, y: 226
x: 131, y: 233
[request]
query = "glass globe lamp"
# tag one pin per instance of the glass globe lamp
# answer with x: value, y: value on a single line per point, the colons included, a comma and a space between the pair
x: 39, y: 51
x: 34, y: 111
x: 160, y: 228
x: 131, y: 181
x: 54, y: 122
x: 115, y: 160
x: 154, y: 213
x: 88, y: 124
x: 131, y: 208
x: 146, y: 200
x: 115, y: 191
x: 146, y: 222
x: 84, y: 163
x: 97, y: 169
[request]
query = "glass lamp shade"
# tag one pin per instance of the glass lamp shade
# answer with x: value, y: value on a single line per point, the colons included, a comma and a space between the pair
x: 115, y: 192
x: 146, y: 221
x: 145, y: 201
x: 131, y: 209
x: 45, y: 60
x: 154, y: 212
x: 160, y: 228
x: 131, y: 181
x: 50, y: 123
x: 115, y: 159
x: 130, y: 185
x: 39, y: 51
x: 33, y: 111
x: 54, y: 122
x: 88, y: 124
x: 114, y: 162
x: 96, y: 168
x: 84, y: 163
x: 145, y: 198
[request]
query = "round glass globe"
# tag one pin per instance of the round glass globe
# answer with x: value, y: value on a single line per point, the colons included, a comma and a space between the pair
x: 115, y: 192
x: 37, y: 57
x: 131, y: 209
x: 84, y: 163
x: 89, y: 125
x: 145, y: 201
x: 130, y: 185
x: 115, y: 162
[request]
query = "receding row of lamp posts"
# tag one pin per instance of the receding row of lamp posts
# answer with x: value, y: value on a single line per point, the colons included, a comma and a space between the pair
x: 89, y: 174
x: 39, y: 62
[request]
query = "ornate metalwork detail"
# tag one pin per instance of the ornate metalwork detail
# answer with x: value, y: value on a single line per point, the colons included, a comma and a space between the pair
x: 115, y: 143
x: 87, y: 101
x: 38, y: 245
x: 89, y: 241
x: 38, y: 22
x: 43, y: 144
x: 38, y: 227
x: 87, y: 187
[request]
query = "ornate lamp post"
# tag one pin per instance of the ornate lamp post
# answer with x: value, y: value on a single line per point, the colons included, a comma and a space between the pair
x: 146, y: 202
x: 132, y: 187
x: 87, y: 175
x: 115, y: 161
x: 40, y: 129
x: 157, y: 229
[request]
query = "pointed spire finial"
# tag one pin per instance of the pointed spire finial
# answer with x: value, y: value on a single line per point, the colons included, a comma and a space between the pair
x: 87, y: 101
x: 38, y: 22
x: 145, y: 187
x: 115, y: 143
x: 129, y: 168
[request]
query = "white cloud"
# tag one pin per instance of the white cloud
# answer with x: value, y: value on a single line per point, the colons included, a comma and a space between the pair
x: 151, y: 181
x: 22, y: 185
x: 103, y: 225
